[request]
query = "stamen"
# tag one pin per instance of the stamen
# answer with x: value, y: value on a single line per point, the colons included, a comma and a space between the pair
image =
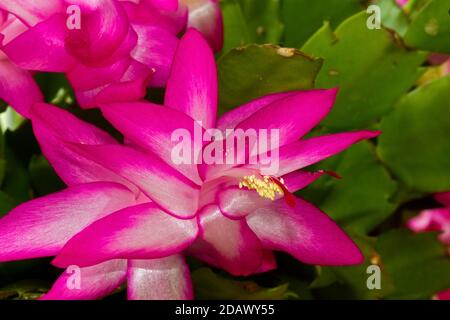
x: 288, y: 197
x: 268, y: 187
x: 265, y: 187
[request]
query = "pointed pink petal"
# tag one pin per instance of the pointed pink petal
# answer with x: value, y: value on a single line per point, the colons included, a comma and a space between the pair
x: 42, y: 47
x: 160, y: 182
x: 192, y: 86
x: 433, y: 220
x: 235, y: 116
x: 17, y: 88
x: 10, y: 28
x: 94, y: 282
x: 41, y: 227
x: 206, y: 17
x: 159, y: 279
x: 139, y: 232
x: 443, y: 198
x: 293, y: 116
x: 155, y: 49
x: 301, y: 154
x: 299, y: 180
x: 227, y: 244
x: 32, y: 11
x: 53, y: 126
x: 304, y: 232
x: 151, y: 127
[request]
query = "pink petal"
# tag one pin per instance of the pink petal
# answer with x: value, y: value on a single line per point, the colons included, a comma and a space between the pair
x: 139, y: 232
x: 42, y: 47
x: 155, y: 49
x: 444, y: 295
x: 145, y: 12
x: 227, y: 244
x: 169, y: 5
x: 237, y: 203
x: 304, y: 232
x: 443, y: 198
x: 94, y: 282
x: 17, y: 88
x: 81, y: 77
x: 235, y: 116
x: 301, y: 154
x: 293, y: 116
x: 192, y: 86
x: 50, y: 125
x: 131, y: 87
x: 104, y: 27
x: 11, y: 28
x: 401, y: 3
x: 269, y: 262
x: 151, y: 127
x: 299, y: 180
x: 32, y: 11
x: 160, y: 182
x: 41, y: 227
x: 433, y: 220
x: 159, y: 279
x: 206, y: 17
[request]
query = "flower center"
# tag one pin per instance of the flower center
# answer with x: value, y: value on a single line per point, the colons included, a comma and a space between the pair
x: 266, y: 187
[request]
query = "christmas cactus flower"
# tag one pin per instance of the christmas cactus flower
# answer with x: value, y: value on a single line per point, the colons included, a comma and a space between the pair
x: 110, y: 50
x: 17, y: 87
x: 435, y: 220
x: 133, y: 211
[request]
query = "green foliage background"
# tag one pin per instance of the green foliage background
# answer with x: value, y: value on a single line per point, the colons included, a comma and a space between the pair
x: 385, y: 83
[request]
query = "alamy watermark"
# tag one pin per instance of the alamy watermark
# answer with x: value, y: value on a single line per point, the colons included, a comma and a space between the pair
x: 232, y: 147
x: 73, y: 21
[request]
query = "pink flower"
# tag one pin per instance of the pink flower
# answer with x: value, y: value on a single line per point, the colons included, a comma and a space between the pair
x: 443, y: 61
x: 117, y: 48
x: 435, y: 220
x: 17, y: 86
x: 130, y: 212
x: 401, y: 3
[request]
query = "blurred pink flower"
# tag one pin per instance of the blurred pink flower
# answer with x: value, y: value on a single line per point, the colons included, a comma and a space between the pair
x: 206, y: 17
x: 435, y: 220
x: 132, y: 213
x: 119, y: 47
x: 401, y: 2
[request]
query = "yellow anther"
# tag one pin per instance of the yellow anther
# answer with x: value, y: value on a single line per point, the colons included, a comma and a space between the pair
x: 265, y: 187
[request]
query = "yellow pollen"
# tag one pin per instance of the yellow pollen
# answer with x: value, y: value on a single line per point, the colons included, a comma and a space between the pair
x: 265, y: 187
